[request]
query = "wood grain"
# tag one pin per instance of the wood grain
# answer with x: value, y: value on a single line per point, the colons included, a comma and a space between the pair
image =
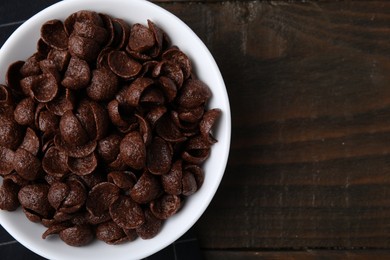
x: 301, y: 255
x: 309, y: 89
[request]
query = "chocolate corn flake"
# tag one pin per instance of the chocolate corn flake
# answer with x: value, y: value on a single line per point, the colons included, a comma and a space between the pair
x: 158, y: 36
x: 71, y: 130
x: 24, y: 111
x: 191, y: 115
x: 196, y: 150
x: 111, y: 233
x: 103, y: 85
x: 81, y: 16
x: 89, y: 29
x: 76, y: 197
x: 103, y: 130
x: 48, y: 66
x: 125, y: 180
x: 131, y: 234
x: 91, y: 180
x: 95, y: 220
x: 159, y: 159
x: 155, y: 114
x: 45, y: 88
x: 14, y: 75
x: 9, y: 195
x: 172, y: 181
x: 53, y: 34
x: 31, y: 66
x: 144, y: 129
x: 77, y: 75
x: 133, y: 151
x: 78, y: 151
x: 79, y: 235
x: 126, y: 213
x: 198, y: 173
x: 150, y: 227
x: 84, y: 48
x: 194, y: 93
x: 100, y: 121
x: 122, y: 34
x: 167, y: 130
x: 11, y: 133
x: 187, y: 128
x: 170, y: 70
x: 86, y: 118
x: 146, y: 189
x: 83, y: 166
x: 169, y: 88
x: 6, y: 160
x: 64, y: 101
x: 31, y: 142
x: 108, y: 147
x: 101, y: 197
x: 6, y: 99
x: 47, y: 122
x: 123, y: 65
x: 176, y: 56
x: 60, y: 58
x: 26, y: 164
x: 16, y: 178
x: 118, y: 118
x: 207, y: 124
x: 131, y: 95
x: 58, y: 192
x: 43, y: 48
x: 189, y: 184
x: 152, y: 96
x: 102, y: 59
x: 117, y: 165
x: 55, y: 229
x: 60, y: 216
x: 34, y: 199
x: 109, y: 26
x: 141, y: 38
x: 165, y: 206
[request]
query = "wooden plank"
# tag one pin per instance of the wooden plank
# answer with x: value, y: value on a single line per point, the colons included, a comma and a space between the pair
x: 301, y: 255
x: 309, y: 90
x: 308, y: 86
x: 20, y: 10
x: 187, y: 1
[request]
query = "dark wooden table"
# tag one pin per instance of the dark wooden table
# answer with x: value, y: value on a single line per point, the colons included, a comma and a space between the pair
x: 309, y: 85
x: 309, y: 168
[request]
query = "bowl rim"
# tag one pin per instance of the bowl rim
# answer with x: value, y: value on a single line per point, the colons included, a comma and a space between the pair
x: 225, y: 124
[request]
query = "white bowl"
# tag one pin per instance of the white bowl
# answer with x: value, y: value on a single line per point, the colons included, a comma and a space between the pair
x: 22, y: 43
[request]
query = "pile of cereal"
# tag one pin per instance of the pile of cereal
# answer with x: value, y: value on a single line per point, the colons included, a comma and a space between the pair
x: 103, y: 130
